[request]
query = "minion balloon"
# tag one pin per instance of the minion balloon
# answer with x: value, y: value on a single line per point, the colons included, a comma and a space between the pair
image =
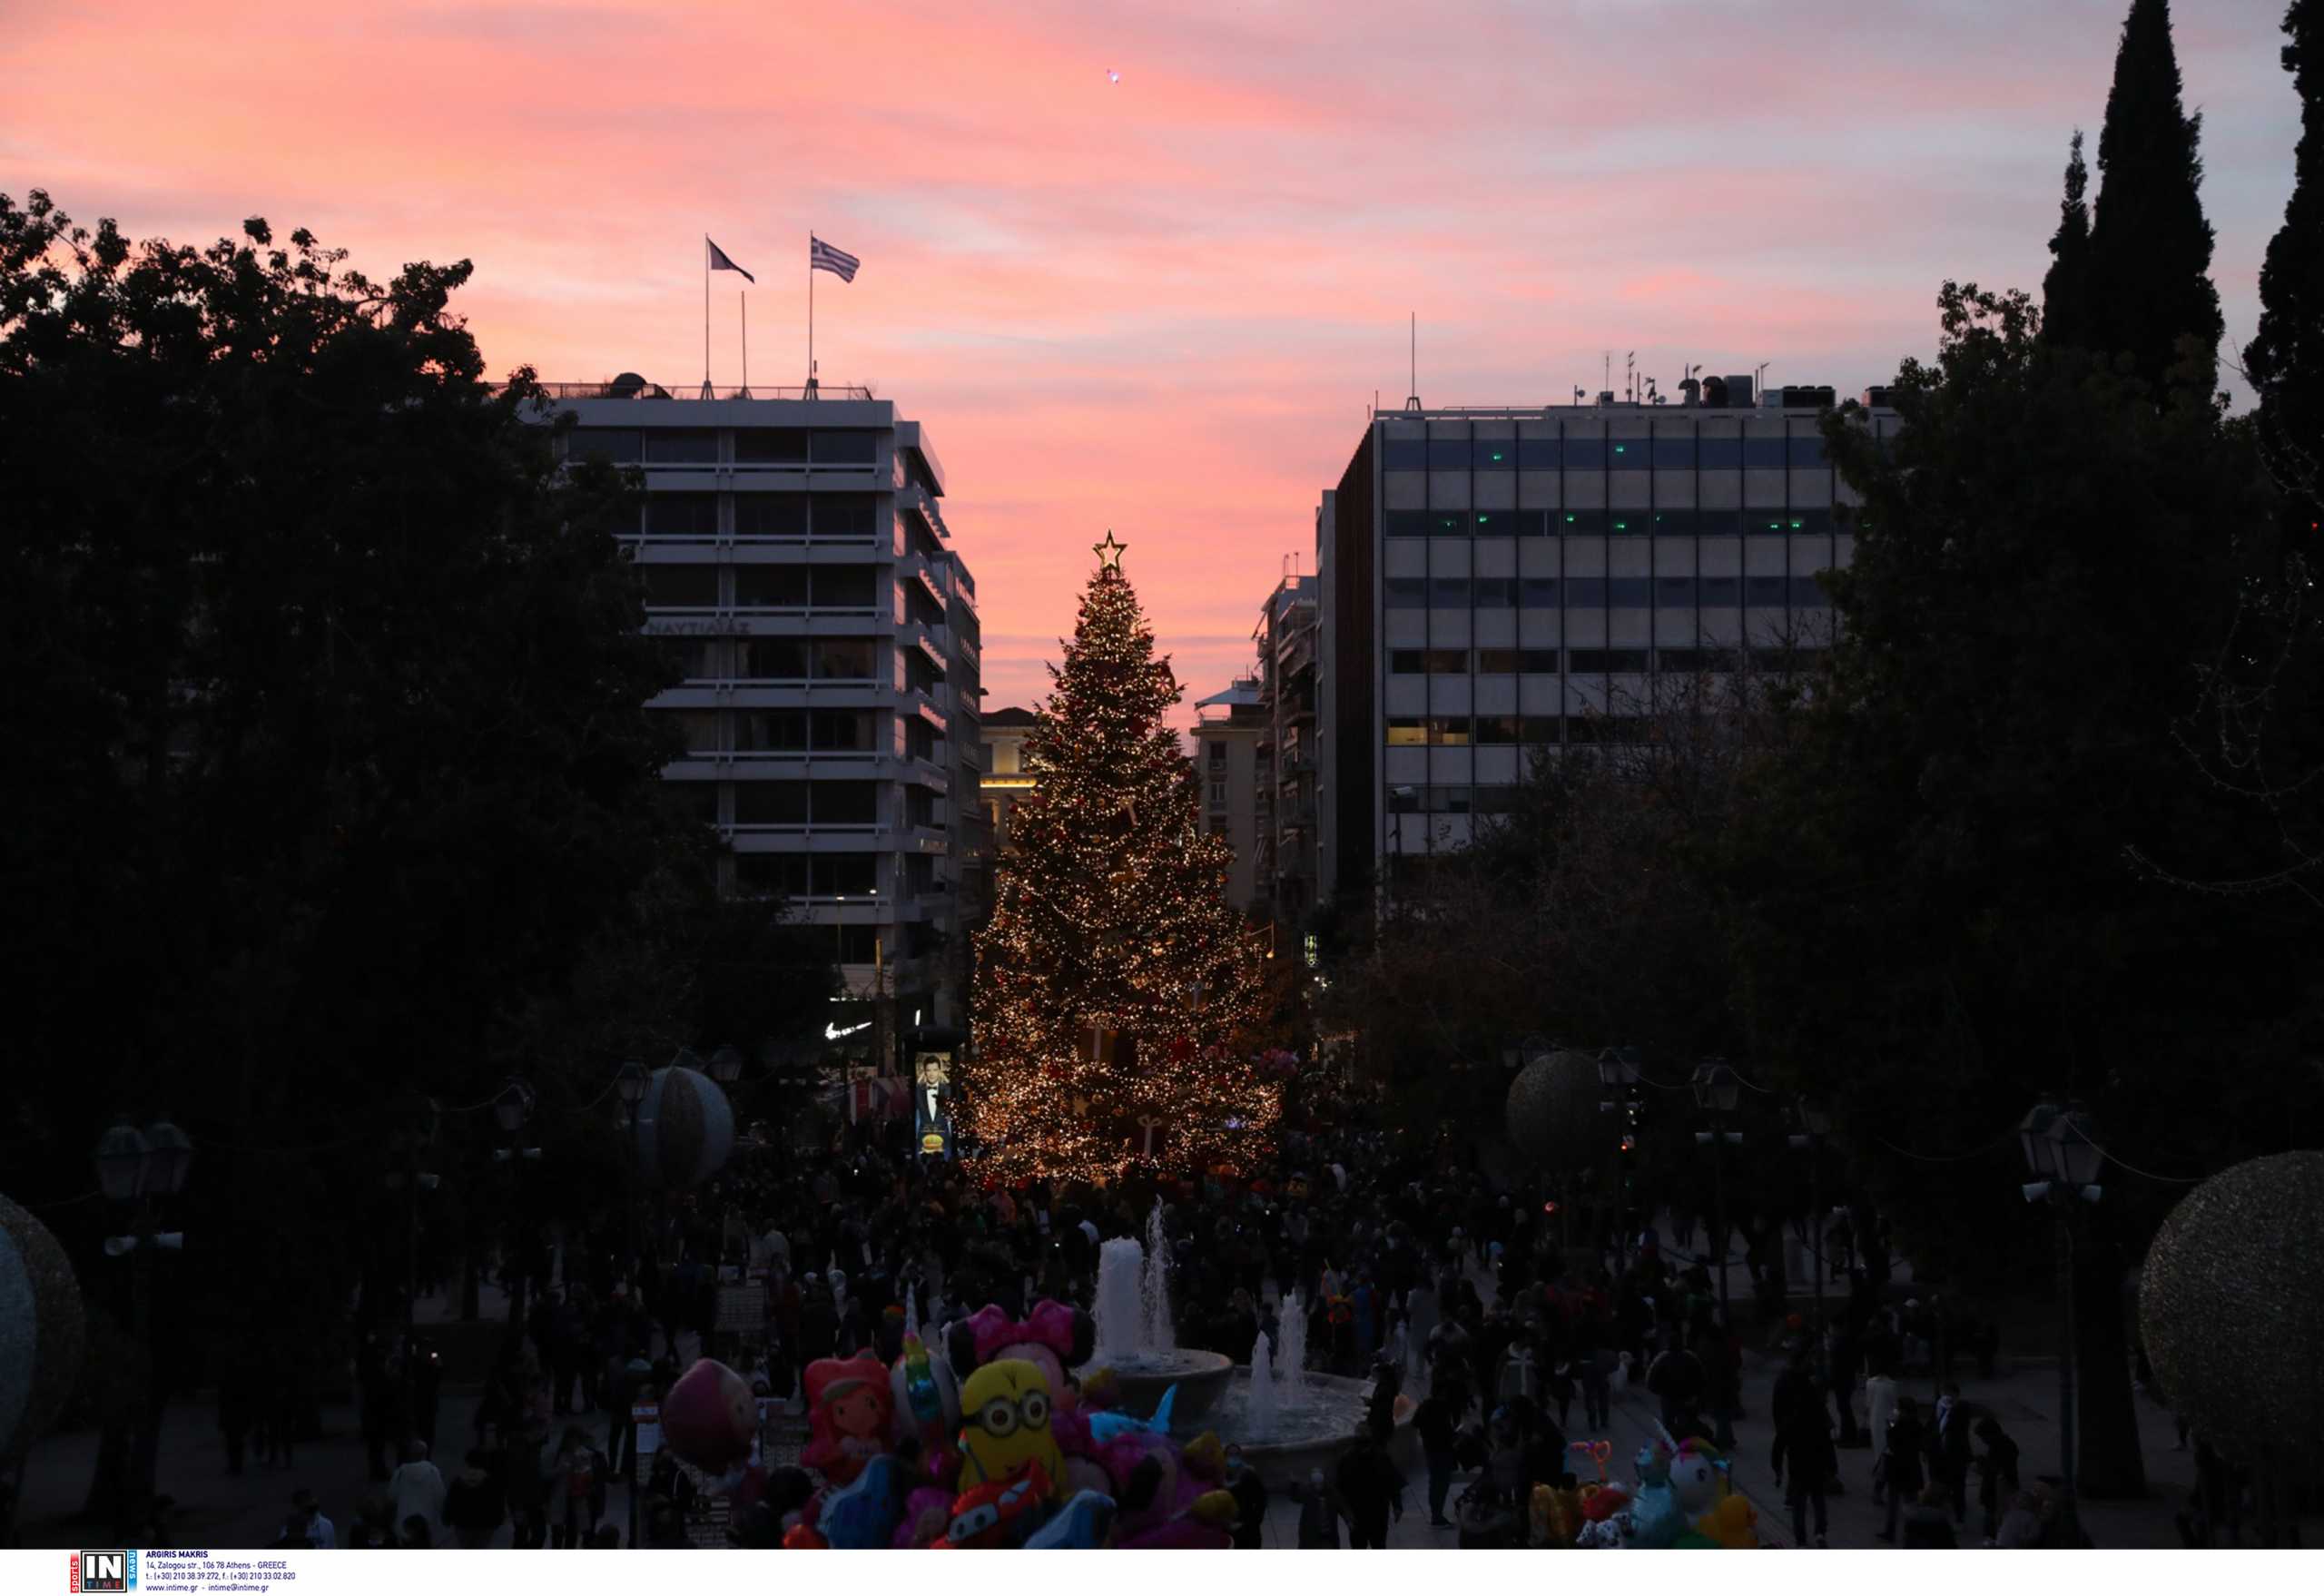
x: 1005, y: 1425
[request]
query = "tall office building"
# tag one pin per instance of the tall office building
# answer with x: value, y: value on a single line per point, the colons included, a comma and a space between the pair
x: 1491, y: 582
x: 1229, y: 726
x: 798, y: 567
x: 1287, y: 639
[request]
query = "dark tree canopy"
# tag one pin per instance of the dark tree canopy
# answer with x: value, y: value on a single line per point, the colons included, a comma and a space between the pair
x: 332, y: 771
x: 2150, y: 246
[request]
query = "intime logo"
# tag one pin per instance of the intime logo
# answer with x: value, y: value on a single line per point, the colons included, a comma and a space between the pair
x: 100, y: 1571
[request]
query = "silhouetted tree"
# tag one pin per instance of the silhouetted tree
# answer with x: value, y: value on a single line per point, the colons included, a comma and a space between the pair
x: 2285, y: 361
x: 2149, y: 247
x: 2065, y: 308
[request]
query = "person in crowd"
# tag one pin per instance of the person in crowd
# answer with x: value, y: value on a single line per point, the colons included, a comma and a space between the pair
x: 476, y: 1504
x: 1804, y: 1442
x: 1321, y: 1512
x: 1250, y: 1493
x: 307, y: 1526
x: 1996, y: 1472
x: 417, y: 1487
x: 1901, y: 1469
x: 1928, y: 1526
x: 1949, y: 1450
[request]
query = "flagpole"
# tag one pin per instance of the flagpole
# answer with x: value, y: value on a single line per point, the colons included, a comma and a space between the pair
x: 810, y: 315
x: 705, y: 315
x: 744, y: 295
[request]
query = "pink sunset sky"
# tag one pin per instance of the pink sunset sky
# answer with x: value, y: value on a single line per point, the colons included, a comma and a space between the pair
x: 1161, y: 305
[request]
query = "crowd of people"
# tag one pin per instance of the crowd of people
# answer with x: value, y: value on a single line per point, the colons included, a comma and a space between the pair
x: 1499, y: 1311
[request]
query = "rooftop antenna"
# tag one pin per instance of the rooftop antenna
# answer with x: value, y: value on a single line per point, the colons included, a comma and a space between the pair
x: 1411, y: 400
x: 1578, y: 393
x: 1606, y: 378
x: 1630, y: 375
x: 1760, y: 376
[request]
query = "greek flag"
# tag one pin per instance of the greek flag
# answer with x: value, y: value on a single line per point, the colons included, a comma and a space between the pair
x: 719, y: 263
x: 821, y: 257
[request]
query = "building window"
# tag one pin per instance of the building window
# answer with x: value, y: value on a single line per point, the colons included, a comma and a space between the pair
x: 771, y: 731
x: 1218, y: 753
x: 1496, y: 729
x: 770, y: 804
x: 618, y: 446
x: 769, y: 446
x: 680, y: 587
x: 1538, y: 728
x: 1405, y: 800
x: 770, y: 515
x: 1719, y: 590
x: 1406, y: 592
x: 844, y: 449
x: 1806, y: 593
x: 1494, y: 592
x: 846, y: 659
x: 845, y: 804
x: 1449, y: 454
x: 1583, y: 523
x: 1625, y: 523
x: 682, y: 515
x: 1218, y: 792
x: 1597, y: 661
x: 698, y: 730
x: 1768, y: 592
x: 681, y: 449
x: 846, y: 731
x: 1448, y: 523
x: 1586, y: 592
x: 771, y: 586
x: 844, y: 516
x: 1674, y: 523
x: 844, y: 586
x: 1585, y: 454
x: 695, y: 659
x: 774, y: 659
x: 1407, y: 733
x: 1448, y: 731
x: 1669, y: 591
x: 1403, y: 453
x: 1448, y: 592
x: 1407, y: 523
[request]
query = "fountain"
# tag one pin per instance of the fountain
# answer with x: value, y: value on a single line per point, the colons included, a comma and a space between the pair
x: 1134, y: 1338
x: 1266, y: 1402
x: 1286, y: 1419
x: 1292, y: 1320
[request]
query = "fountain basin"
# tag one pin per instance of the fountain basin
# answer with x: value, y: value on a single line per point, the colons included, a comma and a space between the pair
x: 1313, y: 1432
x: 1142, y: 1377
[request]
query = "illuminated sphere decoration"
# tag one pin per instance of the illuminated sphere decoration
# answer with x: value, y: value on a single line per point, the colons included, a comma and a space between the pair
x: 685, y: 1128
x: 1553, y: 1118
x: 41, y: 1333
x: 2231, y: 1308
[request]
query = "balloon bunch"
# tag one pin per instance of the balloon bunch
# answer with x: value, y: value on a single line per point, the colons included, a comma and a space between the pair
x: 981, y: 1439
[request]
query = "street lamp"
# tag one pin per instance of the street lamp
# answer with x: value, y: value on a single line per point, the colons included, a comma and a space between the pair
x: 2064, y: 1159
x: 1816, y: 1124
x: 726, y: 1065
x: 630, y: 1085
x: 1718, y: 1089
x: 140, y: 1167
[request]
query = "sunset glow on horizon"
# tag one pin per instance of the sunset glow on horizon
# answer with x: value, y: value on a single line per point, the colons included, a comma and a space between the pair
x: 1145, y: 267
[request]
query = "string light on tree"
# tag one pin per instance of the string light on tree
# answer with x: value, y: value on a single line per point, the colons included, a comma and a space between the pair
x: 1117, y: 985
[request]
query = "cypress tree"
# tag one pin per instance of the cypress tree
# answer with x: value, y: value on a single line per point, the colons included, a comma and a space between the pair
x: 2065, y: 313
x: 2285, y: 361
x: 2150, y: 246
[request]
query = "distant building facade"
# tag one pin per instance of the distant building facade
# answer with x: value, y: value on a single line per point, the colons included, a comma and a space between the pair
x: 1229, y: 726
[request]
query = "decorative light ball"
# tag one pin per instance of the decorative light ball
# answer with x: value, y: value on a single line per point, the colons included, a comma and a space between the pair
x: 1553, y: 1119
x: 2231, y: 1306
x: 42, y: 1333
x: 685, y: 1128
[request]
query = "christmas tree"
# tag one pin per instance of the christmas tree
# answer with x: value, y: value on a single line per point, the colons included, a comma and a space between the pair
x: 1114, y: 982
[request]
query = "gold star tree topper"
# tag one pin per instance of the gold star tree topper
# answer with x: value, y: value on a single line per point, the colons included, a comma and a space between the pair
x: 1110, y: 553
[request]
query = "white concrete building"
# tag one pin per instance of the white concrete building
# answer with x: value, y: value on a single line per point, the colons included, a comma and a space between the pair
x: 798, y: 566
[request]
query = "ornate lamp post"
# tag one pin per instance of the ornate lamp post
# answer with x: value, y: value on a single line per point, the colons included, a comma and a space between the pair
x: 2064, y: 1160
x: 1814, y: 1125
x: 136, y: 1169
x: 630, y: 1086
